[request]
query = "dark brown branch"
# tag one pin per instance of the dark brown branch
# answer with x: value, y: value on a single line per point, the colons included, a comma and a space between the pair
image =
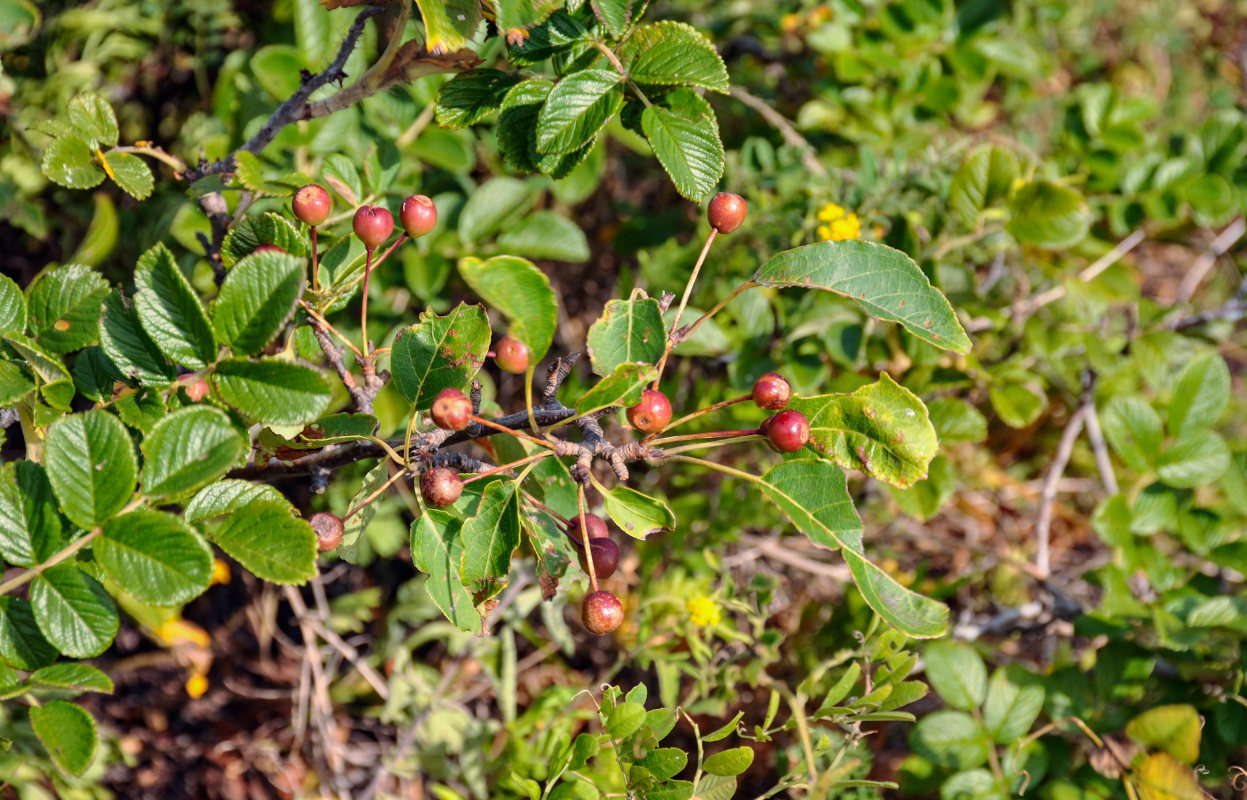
x: 213, y: 205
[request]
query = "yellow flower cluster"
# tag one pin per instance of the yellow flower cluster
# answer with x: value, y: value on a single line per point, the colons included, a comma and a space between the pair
x: 838, y: 224
x: 703, y: 611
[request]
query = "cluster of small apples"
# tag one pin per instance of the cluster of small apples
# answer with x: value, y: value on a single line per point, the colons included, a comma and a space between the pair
x: 372, y: 224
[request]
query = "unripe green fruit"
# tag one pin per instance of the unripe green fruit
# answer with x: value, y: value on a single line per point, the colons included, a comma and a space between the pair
x: 312, y: 204
x: 511, y: 355
x: 441, y: 487
x: 595, y: 524
x: 771, y: 392
x: 328, y: 529
x: 605, y: 555
x: 726, y: 212
x: 417, y: 215
x: 601, y: 613
x: 788, y: 431
x: 651, y: 414
x: 451, y: 410
x: 373, y: 225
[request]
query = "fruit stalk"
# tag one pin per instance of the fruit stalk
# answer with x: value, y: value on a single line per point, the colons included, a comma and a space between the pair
x: 688, y: 291
x: 584, y: 534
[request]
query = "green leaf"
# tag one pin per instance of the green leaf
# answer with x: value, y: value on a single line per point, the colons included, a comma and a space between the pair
x: 1193, y: 460
x: 354, y: 527
x: 67, y: 732
x: 187, y: 449
x: 269, y: 228
x: 342, y: 176
x: 546, y: 235
x: 517, y: 132
x: 18, y: 21
x: 886, y: 283
x: 625, y: 719
x: 227, y: 496
x: 21, y: 642
x: 623, y: 387
x: 665, y: 763
x: 1012, y: 705
x: 90, y: 462
x: 437, y: 551
x: 689, y: 149
x: 926, y: 497
x: 1045, y: 214
x: 12, y: 307
x: 1200, y: 398
x: 522, y: 293
x: 709, y: 787
x: 439, y: 353
x: 448, y: 24
x: 984, y: 179
x: 729, y: 762
x: 672, y: 53
x: 957, y: 673
x: 637, y: 514
x: 170, y: 310
x: 335, y: 429
x: 128, y: 346
x: 955, y: 420
x: 556, y: 35
x: 13, y: 384
x: 489, y: 537
x: 577, y: 108
x: 248, y: 171
x: 1017, y: 404
x: 92, y: 118
x: 813, y: 494
x: 616, y: 15
x: 64, y: 307
x: 722, y: 732
x: 131, y: 173
x: 272, y: 391
x: 1172, y: 728
x: 95, y: 375
x: 30, y: 528
x: 257, y: 298
x: 155, y: 557
x: 950, y: 739
x: 141, y: 409
x: 70, y: 162
x: 629, y: 331
x: 1133, y: 428
x: 489, y: 206
x: 469, y: 97
x: 268, y: 541
x: 911, y: 613
x: 881, y: 429
x: 76, y: 677
x: 57, y: 387
x: 73, y: 611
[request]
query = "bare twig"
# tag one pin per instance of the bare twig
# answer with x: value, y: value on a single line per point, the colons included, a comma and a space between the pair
x: 1096, y: 437
x: 1047, y: 495
x: 213, y: 204
x: 809, y: 156
x: 1224, y: 241
x: 1233, y: 309
x: 1028, y: 307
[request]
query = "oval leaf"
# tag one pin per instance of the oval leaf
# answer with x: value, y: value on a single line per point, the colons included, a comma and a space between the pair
x: 187, y: 449
x: 170, y: 310
x: 91, y: 465
x: 73, y: 611
x: 522, y: 293
x: 256, y: 299
x: 272, y: 391
x: 627, y: 331
x: 439, y: 353
x: 155, y: 557
x: 67, y: 732
x: 269, y: 542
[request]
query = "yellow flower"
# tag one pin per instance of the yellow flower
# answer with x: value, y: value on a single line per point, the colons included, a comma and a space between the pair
x: 830, y: 213
x: 848, y: 228
x: 196, y: 685
x: 703, y: 611
x: 178, y: 631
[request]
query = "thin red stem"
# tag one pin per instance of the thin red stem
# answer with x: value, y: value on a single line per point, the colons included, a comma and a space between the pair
x: 688, y: 437
x: 506, y: 467
x: 584, y: 534
x: 546, y: 508
x: 700, y: 412
x: 363, y: 314
x: 402, y: 237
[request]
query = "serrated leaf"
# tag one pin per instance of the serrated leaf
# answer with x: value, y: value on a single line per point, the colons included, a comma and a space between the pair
x: 227, y: 496
x: 13, y: 384
x: 272, y: 391
x: 729, y: 762
x: 628, y: 331
x: 268, y: 541
x: 128, y: 346
x: 1048, y: 215
x: 171, y: 312
x: 881, y: 429
x: 64, y: 307
x: 95, y: 375
x: 67, y: 732
x: 489, y: 538
x: 187, y: 449
x: 545, y: 235
x: 623, y: 387
x: 155, y: 557
x: 517, y: 132
x: 130, y: 173
x: 577, y: 108
x: 437, y: 551
x: 471, y: 96
x: 70, y: 162
x: 689, y: 150
x: 957, y: 673
x: 1200, y: 396
x: 439, y: 352
x: 76, y: 677
x: 12, y: 307
x: 73, y: 611
x: 522, y: 293
x: 616, y: 15
x: 257, y: 298
x: 269, y: 228
x: 670, y: 53
x: 91, y: 465
x: 984, y: 179
x: 1133, y: 428
x: 30, y: 527
x: 22, y: 644
x: 1193, y: 460
x: 56, y: 385
x: 342, y: 176
x: 637, y: 514
x: 886, y: 283
x: 92, y: 118
x: 335, y: 429
x: 556, y: 35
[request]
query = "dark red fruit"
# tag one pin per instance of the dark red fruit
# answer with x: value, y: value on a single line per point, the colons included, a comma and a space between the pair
x: 788, y: 431
x: 451, y: 410
x: 651, y: 414
x: 511, y: 355
x: 373, y: 225
x: 441, y: 486
x: 312, y: 204
x: 197, y: 390
x: 602, y: 613
x: 597, y: 529
x: 417, y: 215
x: 328, y: 529
x: 605, y: 558
x: 726, y: 212
x: 771, y: 392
